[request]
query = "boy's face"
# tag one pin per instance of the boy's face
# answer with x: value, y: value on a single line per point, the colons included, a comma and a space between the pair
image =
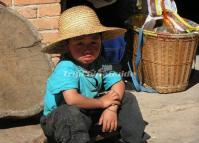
x: 85, y: 49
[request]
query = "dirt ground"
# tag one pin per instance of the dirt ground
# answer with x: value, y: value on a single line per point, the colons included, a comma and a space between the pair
x: 173, y: 118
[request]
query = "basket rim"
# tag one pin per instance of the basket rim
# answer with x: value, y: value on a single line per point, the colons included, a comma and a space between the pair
x: 163, y: 34
x: 137, y: 28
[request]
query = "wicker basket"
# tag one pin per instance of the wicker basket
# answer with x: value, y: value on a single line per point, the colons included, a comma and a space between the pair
x: 166, y: 59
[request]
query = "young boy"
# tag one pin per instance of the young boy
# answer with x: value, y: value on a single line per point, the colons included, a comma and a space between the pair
x: 73, y: 101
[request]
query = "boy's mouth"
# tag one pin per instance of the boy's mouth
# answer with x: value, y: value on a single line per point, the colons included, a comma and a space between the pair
x: 87, y: 56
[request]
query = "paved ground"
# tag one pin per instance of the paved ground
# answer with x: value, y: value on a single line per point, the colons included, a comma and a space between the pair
x: 21, y: 131
x: 173, y: 118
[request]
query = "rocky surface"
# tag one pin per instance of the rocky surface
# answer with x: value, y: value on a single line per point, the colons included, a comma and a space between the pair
x: 22, y: 134
x: 23, y: 68
x: 21, y: 131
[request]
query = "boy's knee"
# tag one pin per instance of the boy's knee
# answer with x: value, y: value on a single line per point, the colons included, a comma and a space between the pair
x: 74, y: 110
x: 75, y: 117
x: 65, y: 110
x: 71, y: 118
x: 129, y: 97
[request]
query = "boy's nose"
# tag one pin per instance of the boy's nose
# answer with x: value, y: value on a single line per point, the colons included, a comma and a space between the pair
x: 87, y: 51
x: 87, y: 47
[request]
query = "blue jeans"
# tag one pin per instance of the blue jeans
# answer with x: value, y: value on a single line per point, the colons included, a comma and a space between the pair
x: 69, y: 124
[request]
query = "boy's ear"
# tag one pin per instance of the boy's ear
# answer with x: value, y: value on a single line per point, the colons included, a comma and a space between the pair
x: 101, y: 35
x: 66, y: 45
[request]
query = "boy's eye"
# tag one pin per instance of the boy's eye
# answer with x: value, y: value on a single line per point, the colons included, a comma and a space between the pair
x: 80, y: 44
x: 93, y: 43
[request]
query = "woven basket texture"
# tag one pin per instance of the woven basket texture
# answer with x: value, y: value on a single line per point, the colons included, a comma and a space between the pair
x: 166, y: 61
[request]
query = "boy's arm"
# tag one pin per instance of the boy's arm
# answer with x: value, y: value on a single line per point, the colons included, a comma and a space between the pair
x: 108, y: 119
x: 119, y: 88
x: 72, y: 97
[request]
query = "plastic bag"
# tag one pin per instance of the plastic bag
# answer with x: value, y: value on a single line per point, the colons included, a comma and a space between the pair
x: 154, y: 8
x: 167, y: 9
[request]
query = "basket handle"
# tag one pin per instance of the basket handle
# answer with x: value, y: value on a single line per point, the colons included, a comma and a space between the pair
x: 135, y: 78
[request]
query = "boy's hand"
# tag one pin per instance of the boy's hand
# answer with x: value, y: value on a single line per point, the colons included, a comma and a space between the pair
x: 111, y: 98
x: 108, y: 120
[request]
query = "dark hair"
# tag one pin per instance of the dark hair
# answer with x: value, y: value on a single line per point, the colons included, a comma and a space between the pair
x: 65, y: 54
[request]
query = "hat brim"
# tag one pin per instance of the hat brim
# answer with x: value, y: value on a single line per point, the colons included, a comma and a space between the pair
x: 59, y: 46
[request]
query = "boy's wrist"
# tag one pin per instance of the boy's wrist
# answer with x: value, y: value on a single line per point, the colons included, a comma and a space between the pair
x: 113, y: 108
x: 116, y: 93
x: 115, y: 111
x: 99, y: 102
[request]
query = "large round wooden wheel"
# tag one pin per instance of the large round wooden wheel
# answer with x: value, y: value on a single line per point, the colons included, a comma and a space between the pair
x: 23, y: 68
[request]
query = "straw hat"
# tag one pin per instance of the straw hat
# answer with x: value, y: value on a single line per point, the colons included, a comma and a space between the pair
x: 78, y: 21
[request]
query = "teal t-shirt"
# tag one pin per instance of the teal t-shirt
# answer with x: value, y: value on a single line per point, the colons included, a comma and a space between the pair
x: 69, y: 75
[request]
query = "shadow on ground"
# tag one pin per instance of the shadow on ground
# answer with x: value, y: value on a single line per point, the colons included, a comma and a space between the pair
x: 194, y: 78
x: 197, y: 52
x: 7, y: 123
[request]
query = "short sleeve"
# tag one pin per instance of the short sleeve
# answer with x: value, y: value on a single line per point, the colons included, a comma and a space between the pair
x: 110, y: 78
x: 64, y: 77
